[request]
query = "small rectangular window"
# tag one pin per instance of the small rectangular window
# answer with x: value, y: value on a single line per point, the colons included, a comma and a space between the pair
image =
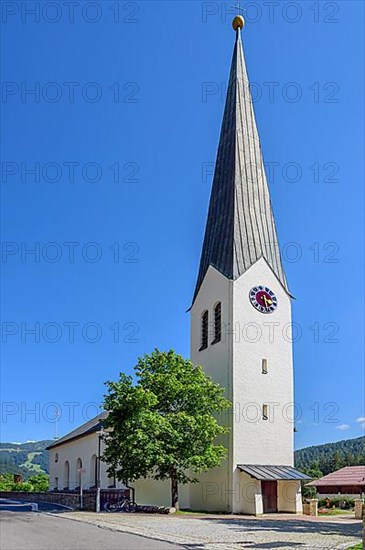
x: 265, y: 413
x: 264, y: 366
x: 56, y: 482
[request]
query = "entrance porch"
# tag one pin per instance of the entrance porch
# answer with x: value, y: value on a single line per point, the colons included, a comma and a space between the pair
x: 268, y: 489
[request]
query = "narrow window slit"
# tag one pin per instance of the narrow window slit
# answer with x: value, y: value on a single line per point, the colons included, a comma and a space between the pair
x: 217, y: 323
x: 204, y: 330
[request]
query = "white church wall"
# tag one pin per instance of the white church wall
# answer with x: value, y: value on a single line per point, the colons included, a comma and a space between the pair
x: 215, y: 358
x: 262, y: 336
x: 213, y: 490
x: 290, y: 497
x: 84, y: 449
x: 158, y: 493
x: 247, y: 498
x: 152, y: 493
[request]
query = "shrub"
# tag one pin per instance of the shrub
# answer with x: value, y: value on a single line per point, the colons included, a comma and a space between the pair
x: 345, y: 503
x: 24, y: 486
x: 39, y: 482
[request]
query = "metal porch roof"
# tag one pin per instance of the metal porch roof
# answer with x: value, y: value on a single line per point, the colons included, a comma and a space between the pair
x: 271, y: 473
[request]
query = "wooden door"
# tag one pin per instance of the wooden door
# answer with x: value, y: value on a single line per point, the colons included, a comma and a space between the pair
x: 269, y: 496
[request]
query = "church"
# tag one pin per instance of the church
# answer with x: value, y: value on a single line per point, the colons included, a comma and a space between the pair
x: 240, y: 333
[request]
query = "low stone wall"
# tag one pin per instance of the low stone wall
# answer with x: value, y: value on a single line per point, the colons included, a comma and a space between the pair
x: 70, y: 499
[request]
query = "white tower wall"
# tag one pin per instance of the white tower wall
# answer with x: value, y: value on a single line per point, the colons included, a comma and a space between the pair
x: 248, y: 336
x: 261, y: 336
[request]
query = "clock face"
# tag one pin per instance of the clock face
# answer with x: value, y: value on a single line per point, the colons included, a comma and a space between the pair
x: 263, y: 299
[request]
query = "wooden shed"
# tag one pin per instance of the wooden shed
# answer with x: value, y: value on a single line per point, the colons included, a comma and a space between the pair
x: 346, y: 481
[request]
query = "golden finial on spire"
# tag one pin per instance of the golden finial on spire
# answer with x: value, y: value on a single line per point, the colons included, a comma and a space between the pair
x: 238, y: 22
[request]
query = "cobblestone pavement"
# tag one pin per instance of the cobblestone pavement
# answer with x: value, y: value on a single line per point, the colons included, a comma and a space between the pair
x: 210, y: 532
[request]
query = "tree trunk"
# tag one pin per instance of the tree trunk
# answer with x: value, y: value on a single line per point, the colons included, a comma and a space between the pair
x: 174, y: 489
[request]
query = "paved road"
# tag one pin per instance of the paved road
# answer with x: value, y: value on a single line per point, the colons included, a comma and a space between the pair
x: 37, y: 531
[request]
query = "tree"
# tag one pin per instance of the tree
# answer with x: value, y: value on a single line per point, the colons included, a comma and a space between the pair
x: 6, y: 482
x: 332, y: 456
x: 337, y: 461
x: 164, y: 425
x: 313, y: 472
x: 40, y: 482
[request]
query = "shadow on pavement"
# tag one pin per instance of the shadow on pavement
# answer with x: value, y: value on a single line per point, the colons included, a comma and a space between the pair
x: 291, y: 526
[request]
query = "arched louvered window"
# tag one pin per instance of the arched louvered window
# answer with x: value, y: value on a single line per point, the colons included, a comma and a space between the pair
x: 204, y: 330
x: 217, y: 323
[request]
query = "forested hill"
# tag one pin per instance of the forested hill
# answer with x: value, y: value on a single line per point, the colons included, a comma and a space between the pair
x: 24, y: 458
x: 32, y: 458
x: 332, y: 456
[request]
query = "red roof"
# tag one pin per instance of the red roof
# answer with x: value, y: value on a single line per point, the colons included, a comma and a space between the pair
x: 351, y: 475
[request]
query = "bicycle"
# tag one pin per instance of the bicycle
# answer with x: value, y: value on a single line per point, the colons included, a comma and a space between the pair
x: 124, y: 505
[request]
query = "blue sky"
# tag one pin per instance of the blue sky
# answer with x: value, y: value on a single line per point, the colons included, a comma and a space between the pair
x: 121, y: 133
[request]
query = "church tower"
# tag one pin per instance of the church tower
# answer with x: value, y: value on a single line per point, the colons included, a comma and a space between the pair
x: 241, y: 320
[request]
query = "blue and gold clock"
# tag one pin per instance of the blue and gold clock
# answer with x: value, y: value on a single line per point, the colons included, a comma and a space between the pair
x: 263, y: 299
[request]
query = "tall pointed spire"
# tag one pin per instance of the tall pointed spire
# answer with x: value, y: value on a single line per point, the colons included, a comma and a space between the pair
x: 240, y: 226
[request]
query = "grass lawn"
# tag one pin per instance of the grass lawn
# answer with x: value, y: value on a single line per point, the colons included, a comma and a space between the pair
x: 335, y: 512
x: 357, y: 547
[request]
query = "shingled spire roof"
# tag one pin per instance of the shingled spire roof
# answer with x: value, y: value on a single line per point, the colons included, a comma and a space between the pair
x: 240, y: 226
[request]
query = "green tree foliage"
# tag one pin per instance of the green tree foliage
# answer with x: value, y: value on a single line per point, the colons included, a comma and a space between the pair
x: 164, y: 426
x: 39, y: 482
x: 6, y: 482
x: 332, y: 456
x: 314, y: 473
